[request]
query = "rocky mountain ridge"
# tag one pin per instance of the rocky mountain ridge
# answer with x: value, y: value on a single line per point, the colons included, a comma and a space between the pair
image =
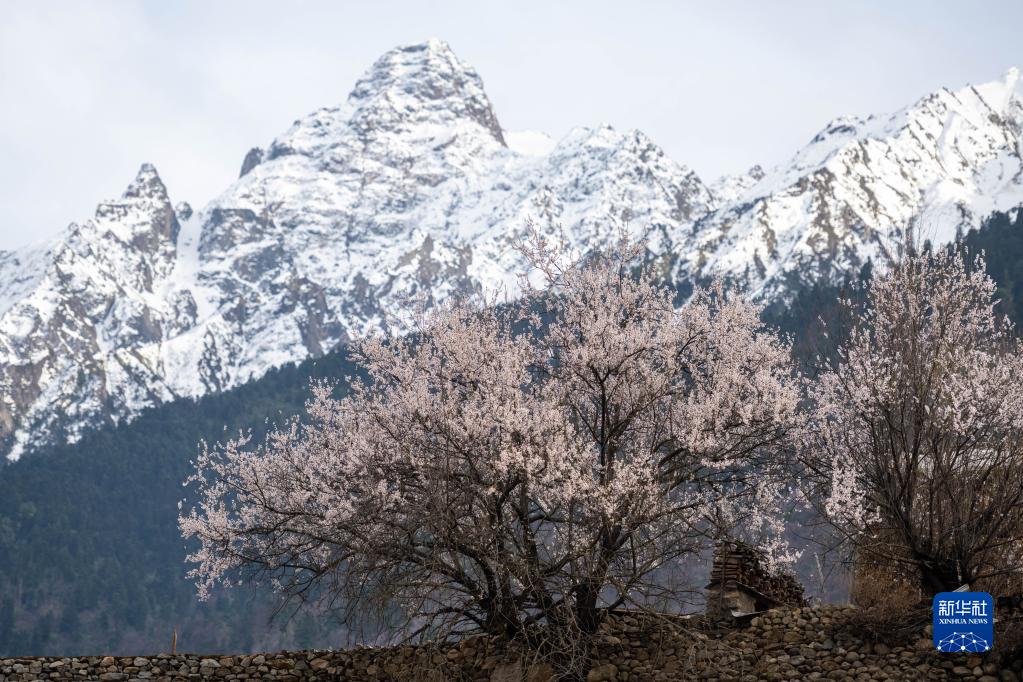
x: 412, y: 187
x: 930, y: 171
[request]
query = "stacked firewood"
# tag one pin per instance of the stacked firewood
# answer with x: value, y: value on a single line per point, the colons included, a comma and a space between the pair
x: 736, y: 562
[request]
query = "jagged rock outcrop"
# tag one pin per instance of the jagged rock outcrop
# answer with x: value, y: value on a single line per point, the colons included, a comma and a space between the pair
x: 81, y: 321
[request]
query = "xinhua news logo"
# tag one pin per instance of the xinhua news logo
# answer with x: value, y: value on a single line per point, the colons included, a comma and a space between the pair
x: 964, y: 622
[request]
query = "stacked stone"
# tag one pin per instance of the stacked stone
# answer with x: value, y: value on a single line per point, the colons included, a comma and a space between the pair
x: 813, y: 643
x: 166, y: 667
x: 476, y: 659
x: 782, y: 644
x: 737, y: 562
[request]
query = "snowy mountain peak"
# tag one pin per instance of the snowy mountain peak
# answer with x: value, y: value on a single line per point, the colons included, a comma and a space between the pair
x: 415, y: 100
x: 143, y: 215
x: 83, y: 316
x: 421, y: 84
x: 146, y: 185
x: 1000, y: 95
x: 1012, y: 78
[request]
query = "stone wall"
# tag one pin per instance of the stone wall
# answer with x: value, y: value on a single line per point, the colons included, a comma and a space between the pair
x: 784, y: 644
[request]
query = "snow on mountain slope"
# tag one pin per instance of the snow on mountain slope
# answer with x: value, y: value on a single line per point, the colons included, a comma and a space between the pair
x: 76, y: 343
x: 934, y: 169
x: 411, y: 186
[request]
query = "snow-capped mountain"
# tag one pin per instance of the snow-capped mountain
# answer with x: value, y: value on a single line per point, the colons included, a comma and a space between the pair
x: 934, y: 169
x: 82, y: 319
x: 412, y: 186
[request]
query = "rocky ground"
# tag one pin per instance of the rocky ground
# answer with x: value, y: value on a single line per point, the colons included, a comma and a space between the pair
x: 784, y: 644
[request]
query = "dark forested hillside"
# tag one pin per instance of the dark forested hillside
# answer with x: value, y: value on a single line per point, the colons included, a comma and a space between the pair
x: 90, y: 556
x: 815, y: 308
x: 816, y: 318
x: 1001, y: 242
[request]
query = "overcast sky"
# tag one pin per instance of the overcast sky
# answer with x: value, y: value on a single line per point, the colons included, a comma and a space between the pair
x: 90, y: 90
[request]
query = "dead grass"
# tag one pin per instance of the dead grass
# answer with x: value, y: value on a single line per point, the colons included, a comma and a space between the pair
x: 890, y: 607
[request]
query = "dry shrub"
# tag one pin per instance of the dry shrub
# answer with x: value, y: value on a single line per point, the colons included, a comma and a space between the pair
x: 890, y: 607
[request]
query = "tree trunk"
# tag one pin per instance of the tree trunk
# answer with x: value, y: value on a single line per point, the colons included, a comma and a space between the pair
x: 502, y: 619
x: 940, y: 575
x: 587, y: 614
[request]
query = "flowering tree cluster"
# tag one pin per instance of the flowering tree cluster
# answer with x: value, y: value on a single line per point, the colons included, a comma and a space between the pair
x: 915, y: 444
x: 510, y: 472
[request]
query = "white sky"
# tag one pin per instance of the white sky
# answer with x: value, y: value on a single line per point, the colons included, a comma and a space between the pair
x: 90, y: 90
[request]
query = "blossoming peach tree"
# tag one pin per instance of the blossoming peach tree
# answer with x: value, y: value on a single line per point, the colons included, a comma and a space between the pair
x: 513, y: 470
x: 914, y: 448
